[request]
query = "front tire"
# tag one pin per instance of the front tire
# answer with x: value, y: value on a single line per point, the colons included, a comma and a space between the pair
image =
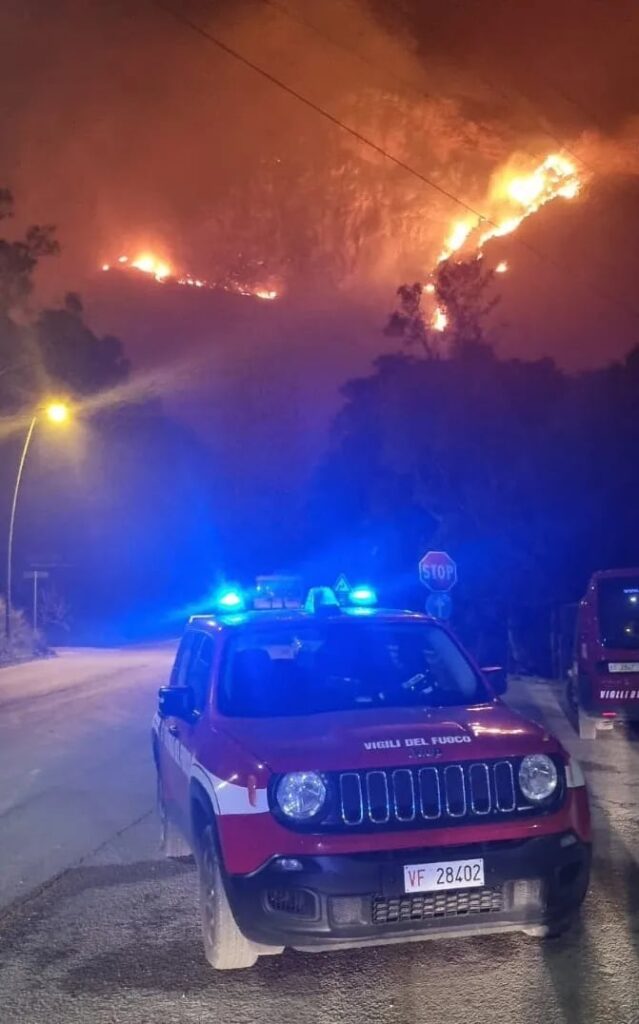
x: 225, y: 947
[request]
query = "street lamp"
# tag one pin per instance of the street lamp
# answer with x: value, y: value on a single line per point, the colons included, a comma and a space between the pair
x: 57, y: 412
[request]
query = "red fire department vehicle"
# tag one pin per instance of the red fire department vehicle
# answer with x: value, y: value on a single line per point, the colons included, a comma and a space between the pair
x: 603, y: 685
x: 346, y: 775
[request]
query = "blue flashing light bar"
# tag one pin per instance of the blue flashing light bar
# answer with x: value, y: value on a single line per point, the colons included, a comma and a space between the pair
x: 229, y: 600
x: 362, y: 596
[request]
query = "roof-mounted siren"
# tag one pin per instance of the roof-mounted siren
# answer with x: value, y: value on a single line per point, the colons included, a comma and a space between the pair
x: 278, y: 592
x: 322, y: 601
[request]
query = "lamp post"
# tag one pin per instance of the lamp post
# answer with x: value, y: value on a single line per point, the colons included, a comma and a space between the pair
x: 56, y: 412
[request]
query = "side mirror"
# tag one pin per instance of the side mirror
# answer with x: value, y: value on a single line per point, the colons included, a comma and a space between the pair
x: 176, y: 702
x: 497, y: 676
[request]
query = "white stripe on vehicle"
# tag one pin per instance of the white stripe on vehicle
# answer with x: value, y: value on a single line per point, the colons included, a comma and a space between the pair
x: 227, y: 796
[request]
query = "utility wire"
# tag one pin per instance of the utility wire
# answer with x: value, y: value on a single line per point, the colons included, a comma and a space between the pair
x: 504, y: 95
x: 482, y: 218
x: 407, y: 83
x: 312, y: 27
x: 205, y: 34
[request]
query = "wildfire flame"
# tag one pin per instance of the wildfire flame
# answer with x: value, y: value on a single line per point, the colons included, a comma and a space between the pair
x: 440, y: 320
x: 162, y: 271
x: 513, y: 197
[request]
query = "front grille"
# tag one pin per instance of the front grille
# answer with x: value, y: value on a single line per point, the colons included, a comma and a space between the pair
x: 429, y: 905
x: 446, y: 794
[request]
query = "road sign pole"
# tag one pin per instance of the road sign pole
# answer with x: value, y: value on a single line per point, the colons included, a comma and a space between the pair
x: 35, y: 601
x: 35, y: 575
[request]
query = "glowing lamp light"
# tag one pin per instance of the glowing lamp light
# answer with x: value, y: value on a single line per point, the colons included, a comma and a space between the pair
x: 363, y: 596
x: 230, y: 600
x: 57, y: 412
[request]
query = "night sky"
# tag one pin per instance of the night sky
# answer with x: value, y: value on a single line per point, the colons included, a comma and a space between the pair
x: 130, y: 132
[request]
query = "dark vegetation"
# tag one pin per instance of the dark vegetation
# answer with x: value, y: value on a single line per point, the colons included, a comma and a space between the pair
x: 527, y: 475
x: 114, y: 506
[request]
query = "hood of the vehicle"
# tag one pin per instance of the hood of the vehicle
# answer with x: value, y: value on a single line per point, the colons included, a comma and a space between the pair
x: 381, y: 737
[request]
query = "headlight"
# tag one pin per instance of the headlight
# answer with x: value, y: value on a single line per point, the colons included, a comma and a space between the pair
x: 301, y: 795
x: 538, y: 777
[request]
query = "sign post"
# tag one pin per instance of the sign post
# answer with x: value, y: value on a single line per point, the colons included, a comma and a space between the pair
x: 35, y: 575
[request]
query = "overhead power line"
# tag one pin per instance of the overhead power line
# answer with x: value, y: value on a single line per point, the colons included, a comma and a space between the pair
x: 405, y: 82
x: 193, y: 25
x: 538, y: 113
x: 210, y: 37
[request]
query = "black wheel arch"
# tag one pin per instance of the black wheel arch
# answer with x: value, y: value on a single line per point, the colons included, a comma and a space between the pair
x: 202, y: 813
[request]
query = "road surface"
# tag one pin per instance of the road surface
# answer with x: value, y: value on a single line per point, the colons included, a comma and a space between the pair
x: 95, y: 928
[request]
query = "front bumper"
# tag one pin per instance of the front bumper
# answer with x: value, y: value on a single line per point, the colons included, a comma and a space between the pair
x: 359, y: 898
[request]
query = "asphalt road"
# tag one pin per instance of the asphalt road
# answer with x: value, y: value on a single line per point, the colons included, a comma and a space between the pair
x: 94, y: 927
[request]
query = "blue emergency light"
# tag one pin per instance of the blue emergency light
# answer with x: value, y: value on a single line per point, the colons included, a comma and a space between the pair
x: 230, y: 599
x: 362, y: 596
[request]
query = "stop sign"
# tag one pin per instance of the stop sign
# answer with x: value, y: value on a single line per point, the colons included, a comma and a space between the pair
x: 438, y: 571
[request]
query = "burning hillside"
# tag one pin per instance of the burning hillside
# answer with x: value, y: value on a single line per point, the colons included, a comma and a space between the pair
x: 512, y: 198
x: 162, y: 271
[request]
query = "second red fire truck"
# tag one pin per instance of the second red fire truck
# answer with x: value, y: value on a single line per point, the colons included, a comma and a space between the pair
x: 603, y: 685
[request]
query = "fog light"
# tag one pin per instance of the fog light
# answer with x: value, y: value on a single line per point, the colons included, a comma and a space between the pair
x: 289, y: 864
x: 568, y: 840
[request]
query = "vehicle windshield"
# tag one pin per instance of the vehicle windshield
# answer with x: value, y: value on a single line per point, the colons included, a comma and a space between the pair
x: 345, y: 665
x: 618, y: 601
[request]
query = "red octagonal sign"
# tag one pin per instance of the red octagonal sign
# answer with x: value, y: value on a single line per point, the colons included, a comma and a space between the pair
x: 438, y: 571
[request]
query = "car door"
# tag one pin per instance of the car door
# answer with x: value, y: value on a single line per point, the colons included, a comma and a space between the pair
x: 169, y: 747
x: 197, y: 677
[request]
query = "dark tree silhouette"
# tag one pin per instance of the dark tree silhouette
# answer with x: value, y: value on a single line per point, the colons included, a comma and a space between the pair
x: 19, y: 258
x: 525, y: 473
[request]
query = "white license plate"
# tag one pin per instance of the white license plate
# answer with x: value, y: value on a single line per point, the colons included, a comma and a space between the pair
x: 623, y: 666
x: 447, y: 874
